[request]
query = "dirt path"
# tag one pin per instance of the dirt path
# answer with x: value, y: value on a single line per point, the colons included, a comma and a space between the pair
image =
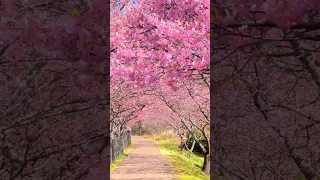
x: 144, y: 162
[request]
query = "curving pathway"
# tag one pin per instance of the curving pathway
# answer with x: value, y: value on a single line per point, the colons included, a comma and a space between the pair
x: 144, y: 162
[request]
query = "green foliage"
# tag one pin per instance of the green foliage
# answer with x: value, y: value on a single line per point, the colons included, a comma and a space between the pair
x: 120, y: 158
x: 208, y: 129
x: 197, y: 133
x: 190, y: 139
x: 184, y: 168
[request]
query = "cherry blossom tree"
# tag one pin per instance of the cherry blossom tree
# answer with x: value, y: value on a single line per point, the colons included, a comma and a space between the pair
x: 155, y: 124
x: 53, y: 77
x: 163, y: 42
x: 159, y: 41
x: 128, y: 106
x: 265, y: 89
x: 185, y: 109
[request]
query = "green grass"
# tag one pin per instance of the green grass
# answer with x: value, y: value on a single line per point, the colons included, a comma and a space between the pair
x: 183, y: 168
x: 121, y: 157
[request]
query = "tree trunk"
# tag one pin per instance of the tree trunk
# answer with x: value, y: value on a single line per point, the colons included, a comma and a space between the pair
x: 193, y: 144
x: 181, y: 144
x: 206, y: 163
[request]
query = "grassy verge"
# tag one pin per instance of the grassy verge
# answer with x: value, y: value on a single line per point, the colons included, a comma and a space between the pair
x: 120, y: 157
x: 184, y: 165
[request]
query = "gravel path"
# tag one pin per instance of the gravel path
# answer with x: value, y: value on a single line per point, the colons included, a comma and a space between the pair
x: 144, y: 162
